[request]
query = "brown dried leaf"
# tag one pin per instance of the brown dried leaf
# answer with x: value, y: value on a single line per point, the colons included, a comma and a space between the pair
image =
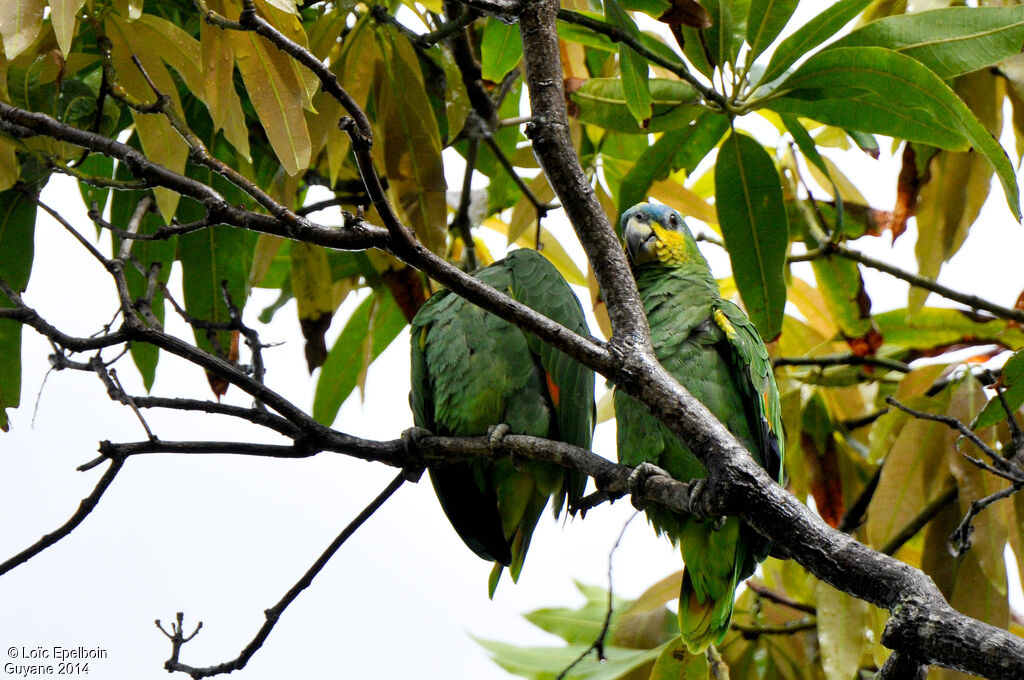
x: 687, y: 13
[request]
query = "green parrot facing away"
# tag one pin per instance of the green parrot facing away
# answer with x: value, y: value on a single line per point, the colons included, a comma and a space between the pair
x: 710, y: 346
x: 472, y: 371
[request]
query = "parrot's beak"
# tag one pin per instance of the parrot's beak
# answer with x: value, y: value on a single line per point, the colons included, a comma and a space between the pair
x: 640, y: 239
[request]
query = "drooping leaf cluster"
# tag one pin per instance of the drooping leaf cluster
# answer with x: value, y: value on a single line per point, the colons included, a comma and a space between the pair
x: 659, y: 94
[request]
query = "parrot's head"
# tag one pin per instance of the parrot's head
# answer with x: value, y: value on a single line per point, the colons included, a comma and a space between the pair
x: 657, y: 233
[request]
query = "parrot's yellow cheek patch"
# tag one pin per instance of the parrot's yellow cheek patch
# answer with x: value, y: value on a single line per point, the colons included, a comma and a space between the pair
x: 723, y: 322
x: 671, y: 246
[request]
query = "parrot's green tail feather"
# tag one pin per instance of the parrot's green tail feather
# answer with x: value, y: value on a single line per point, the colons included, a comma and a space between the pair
x: 702, y: 621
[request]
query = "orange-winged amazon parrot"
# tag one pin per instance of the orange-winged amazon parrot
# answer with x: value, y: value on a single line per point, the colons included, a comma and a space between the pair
x: 472, y: 371
x: 710, y: 346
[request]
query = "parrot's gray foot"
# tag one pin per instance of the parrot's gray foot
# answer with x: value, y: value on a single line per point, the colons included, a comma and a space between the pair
x: 495, y: 437
x: 637, y: 479
x: 495, y: 434
x: 696, y: 505
x: 412, y: 438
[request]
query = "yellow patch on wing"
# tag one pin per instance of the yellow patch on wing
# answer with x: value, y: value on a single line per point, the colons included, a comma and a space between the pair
x: 723, y: 322
x: 671, y: 246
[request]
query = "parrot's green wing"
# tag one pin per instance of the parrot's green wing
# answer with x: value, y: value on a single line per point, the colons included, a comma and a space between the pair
x: 472, y: 370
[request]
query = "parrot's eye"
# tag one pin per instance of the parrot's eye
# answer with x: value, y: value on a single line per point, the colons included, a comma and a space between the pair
x: 673, y: 220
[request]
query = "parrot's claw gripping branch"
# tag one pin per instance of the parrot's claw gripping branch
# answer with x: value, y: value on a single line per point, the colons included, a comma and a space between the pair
x: 639, y: 478
x: 495, y: 435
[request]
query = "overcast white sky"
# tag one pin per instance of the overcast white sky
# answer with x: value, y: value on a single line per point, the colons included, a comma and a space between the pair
x: 223, y: 537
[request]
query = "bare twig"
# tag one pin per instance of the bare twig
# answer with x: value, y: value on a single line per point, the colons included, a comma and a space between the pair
x: 87, y: 505
x: 779, y: 598
x: 274, y: 613
x: 1003, y: 468
x: 972, y: 301
x: 843, y: 360
x: 960, y: 539
x: 598, y: 644
x: 927, y: 513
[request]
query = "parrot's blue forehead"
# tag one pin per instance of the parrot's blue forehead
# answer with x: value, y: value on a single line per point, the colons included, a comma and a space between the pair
x: 653, y: 213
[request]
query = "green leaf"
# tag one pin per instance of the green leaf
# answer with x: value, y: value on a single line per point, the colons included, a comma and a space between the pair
x: 411, y: 147
x: 547, y: 662
x: 96, y: 165
x: 816, y: 31
x: 694, y: 50
x: 647, y: 622
x: 950, y: 41
x: 752, y: 215
x: 765, y: 21
x: 719, y: 37
x: 581, y: 625
x: 877, y: 90
x: 584, y: 36
x: 810, y: 151
x: 1012, y: 384
x: 602, y: 102
x: 17, y: 229
x: 675, y: 663
x: 632, y: 67
x: 368, y: 332
x: 841, y: 631
x: 652, y: 8
x: 677, y: 149
x: 936, y: 327
x: 501, y: 48
x: 208, y: 258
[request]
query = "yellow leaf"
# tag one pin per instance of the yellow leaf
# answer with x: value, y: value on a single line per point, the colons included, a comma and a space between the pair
x: 172, y: 45
x: 951, y: 200
x: 685, y: 201
x: 64, y: 15
x: 842, y: 622
x: 311, y: 280
x: 555, y: 252
x: 277, y: 96
x: 524, y: 215
x: 605, y: 407
x: 808, y: 300
x: 914, y: 472
x: 8, y: 166
x: 411, y: 149
x: 263, y: 256
x: 355, y: 70
x: 287, y: 6
x: 290, y: 25
x: 160, y: 142
x: 847, y: 190
x: 20, y: 21
x: 988, y: 540
x: 218, y: 62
